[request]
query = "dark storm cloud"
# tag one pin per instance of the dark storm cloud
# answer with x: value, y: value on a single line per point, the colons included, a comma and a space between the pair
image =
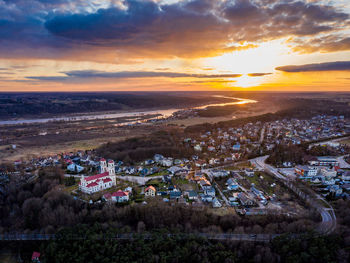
x: 91, y: 74
x: 328, y: 66
x: 144, y: 28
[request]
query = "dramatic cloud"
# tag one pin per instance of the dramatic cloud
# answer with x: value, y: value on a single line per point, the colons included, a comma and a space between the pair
x: 329, y: 43
x: 258, y: 74
x: 329, y: 66
x: 108, y: 30
x: 92, y: 74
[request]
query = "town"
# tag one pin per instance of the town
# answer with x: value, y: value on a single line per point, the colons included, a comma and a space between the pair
x: 222, y: 174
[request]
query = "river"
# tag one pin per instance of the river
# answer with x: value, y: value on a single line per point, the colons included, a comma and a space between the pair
x: 163, y: 113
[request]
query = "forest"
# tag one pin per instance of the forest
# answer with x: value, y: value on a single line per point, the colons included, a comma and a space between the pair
x: 42, y: 207
x: 159, y: 246
x: 167, y: 143
x: 298, y: 154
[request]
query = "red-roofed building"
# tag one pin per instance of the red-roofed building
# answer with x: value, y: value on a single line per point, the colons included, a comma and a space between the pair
x: 150, y: 191
x: 36, y: 257
x: 119, y: 196
x: 98, y: 182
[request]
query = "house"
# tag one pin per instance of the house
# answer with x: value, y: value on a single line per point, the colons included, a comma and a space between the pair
x: 211, y: 148
x: 287, y: 164
x: 118, y: 170
x: 249, y: 172
x: 144, y: 172
x: 306, y: 171
x: 200, y: 163
x: 178, y: 162
x: 324, y: 161
x: 233, y: 198
x: 204, y: 183
x: 150, y: 191
x: 167, y: 162
x: 148, y: 162
x: 96, y: 183
x: 232, y: 184
x: 187, y: 140
x: 346, y: 176
x: 327, y: 172
x: 214, y: 161
x: 315, y: 180
x: 175, y: 169
x: 120, y: 196
x: 75, y: 168
x: 197, y: 148
x: 192, y: 195
x: 335, y: 189
x: 210, y: 191
x: 36, y: 257
x: 128, y: 189
x: 245, y: 200
x: 236, y: 147
x: 216, y: 203
x: 206, y: 198
x: 175, y: 194
x: 328, y: 181
x: 130, y: 170
x: 158, y: 157
x: 154, y: 170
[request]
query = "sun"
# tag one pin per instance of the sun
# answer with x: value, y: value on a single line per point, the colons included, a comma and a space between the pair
x: 247, y: 82
x: 263, y: 58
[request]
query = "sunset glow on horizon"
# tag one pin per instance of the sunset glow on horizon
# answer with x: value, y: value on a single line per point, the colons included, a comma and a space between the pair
x: 145, y: 45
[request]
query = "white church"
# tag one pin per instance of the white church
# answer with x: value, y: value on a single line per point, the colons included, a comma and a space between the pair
x: 95, y: 183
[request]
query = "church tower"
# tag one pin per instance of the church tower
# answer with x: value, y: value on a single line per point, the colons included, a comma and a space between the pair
x: 103, y: 165
x: 111, y: 167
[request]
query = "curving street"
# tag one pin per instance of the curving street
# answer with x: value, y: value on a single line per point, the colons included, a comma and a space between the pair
x: 329, y: 220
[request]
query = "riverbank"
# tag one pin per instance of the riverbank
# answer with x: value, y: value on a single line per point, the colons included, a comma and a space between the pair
x: 161, y: 112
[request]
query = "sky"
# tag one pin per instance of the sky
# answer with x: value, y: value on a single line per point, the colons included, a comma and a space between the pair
x: 174, y: 45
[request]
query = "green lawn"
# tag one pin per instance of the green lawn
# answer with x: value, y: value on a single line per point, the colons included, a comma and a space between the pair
x: 230, y: 168
x: 71, y: 188
x: 263, y: 184
x: 179, y: 181
x: 164, y: 172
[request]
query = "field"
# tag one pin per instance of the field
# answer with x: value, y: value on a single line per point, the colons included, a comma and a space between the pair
x: 7, y: 154
x: 347, y: 142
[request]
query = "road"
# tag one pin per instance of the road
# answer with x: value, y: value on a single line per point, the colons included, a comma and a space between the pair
x: 339, y: 139
x: 138, y: 179
x: 342, y: 163
x: 329, y: 220
x: 131, y: 236
x: 262, y: 134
